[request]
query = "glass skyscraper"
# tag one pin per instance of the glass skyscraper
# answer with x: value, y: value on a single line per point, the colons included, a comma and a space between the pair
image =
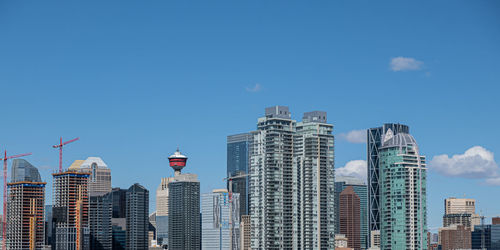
x: 220, y: 220
x: 238, y: 164
x: 374, y: 142
x: 403, y: 216
x: 360, y: 188
x: 486, y: 237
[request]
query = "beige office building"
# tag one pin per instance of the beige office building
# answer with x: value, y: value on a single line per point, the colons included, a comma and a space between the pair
x: 459, y: 206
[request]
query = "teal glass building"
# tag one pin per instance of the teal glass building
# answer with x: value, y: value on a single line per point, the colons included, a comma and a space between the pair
x: 402, y: 193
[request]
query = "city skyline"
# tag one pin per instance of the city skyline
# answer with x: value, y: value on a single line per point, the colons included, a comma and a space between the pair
x: 133, y: 95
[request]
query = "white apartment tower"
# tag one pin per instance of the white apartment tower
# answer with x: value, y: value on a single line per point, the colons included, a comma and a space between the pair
x: 292, y: 182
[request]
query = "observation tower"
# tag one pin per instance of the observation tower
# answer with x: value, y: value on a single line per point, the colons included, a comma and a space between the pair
x: 177, y: 162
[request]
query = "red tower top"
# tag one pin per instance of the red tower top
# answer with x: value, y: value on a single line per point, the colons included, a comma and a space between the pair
x: 177, y: 161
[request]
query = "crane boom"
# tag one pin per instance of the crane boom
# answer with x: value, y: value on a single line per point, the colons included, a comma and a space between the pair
x: 60, y: 146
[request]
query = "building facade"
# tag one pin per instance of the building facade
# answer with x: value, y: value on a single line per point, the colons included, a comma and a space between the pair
x: 361, y: 190
x: 220, y: 225
x: 70, y: 211
x: 238, y: 164
x: 245, y: 232
x: 25, y: 207
x: 137, y: 227
x: 100, y: 176
x: 374, y: 142
x: 162, y: 211
x: 184, y: 213
x: 292, y: 181
x: 403, y: 216
x: 100, y: 213
x: 455, y: 237
x: 350, y: 215
x: 486, y: 237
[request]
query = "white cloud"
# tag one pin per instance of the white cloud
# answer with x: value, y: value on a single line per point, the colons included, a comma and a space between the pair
x: 493, y: 181
x: 255, y: 88
x: 477, y: 163
x: 405, y: 64
x: 355, y: 136
x: 355, y: 168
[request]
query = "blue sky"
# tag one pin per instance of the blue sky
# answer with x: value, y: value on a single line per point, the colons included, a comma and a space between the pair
x: 136, y: 79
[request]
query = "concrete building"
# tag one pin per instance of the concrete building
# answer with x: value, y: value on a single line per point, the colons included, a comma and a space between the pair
x: 375, y: 138
x: 100, y: 176
x: 341, y: 241
x: 220, y: 225
x: 137, y: 217
x: 184, y: 223
x: 238, y: 163
x: 460, y: 211
x: 350, y: 224
x: 459, y: 206
x: 245, y: 232
x: 292, y: 181
x: 162, y: 211
x: 100, y: 213
x: 70, y: 211
x: 455, y: 237
x: 25, y: 207
x: 361, y: 190
x: 403, y: 209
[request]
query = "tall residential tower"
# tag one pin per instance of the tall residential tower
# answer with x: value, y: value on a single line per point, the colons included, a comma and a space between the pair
x: 402, y: 183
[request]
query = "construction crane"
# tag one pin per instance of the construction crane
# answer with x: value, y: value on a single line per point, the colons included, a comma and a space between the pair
x: 4, y: 222
x: 60, y: 146
x: 230, y: 184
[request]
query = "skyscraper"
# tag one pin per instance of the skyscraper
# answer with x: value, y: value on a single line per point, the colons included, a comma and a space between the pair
x: 100, y: 176
x: 100, y: 213
x: 460, y: 211
x: 313, y: 151
x: 350, y: 215
x: 220, y: 220
x: 25, y: 207
x: 245, y: 232
x: 402, y: 181
x: 272, y: 180
x: 162, y: 211
x: 184, y: 229
x: 119, y: 218
x: 486, y: 237
x: 238, y: 164
x: 375, y: 137
x: 292, y: 181
x: 70, y: 211
x: 137, y: 217
x: 360, y: 188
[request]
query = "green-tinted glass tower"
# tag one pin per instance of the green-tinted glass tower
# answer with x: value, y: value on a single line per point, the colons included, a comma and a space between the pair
x: 402, y: 193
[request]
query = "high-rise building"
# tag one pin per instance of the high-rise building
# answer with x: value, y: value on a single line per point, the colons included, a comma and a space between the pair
x: 455, y: 237
x: 292, y: 181
x: 486, y: 237
x: 460, y: 211
x: 48, y: 224
x: 119, y: 218
x: 220, y: 223
x: 245, y: 232
x: 272, y: 181
x: 314, y: 162
x: 402, y: 180
x: 459, y: 206
x: 70, y: 210
x: 162, y: 211
x: 184, y: 222
x: 137, y: 217
x: 375, y: 137
x: 238, y: 164
x: 100, y: 213
x: 100, y: 176
x: 350, y: 214
x: 25, y: 207
x: 360, y: 188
